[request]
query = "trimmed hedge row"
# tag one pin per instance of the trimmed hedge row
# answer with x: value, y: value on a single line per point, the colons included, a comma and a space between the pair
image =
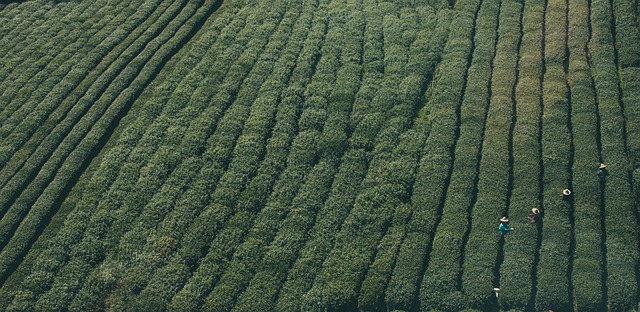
x: 270, y: 270
x: 222, y: 142
x: 61, y: 156
x: 222, y: 272
x: 278, y: 256
x: 350, y: 173
x: 630, y: 84
x: 39, y: 55
x: 553, y: 281
x: 588, y: 261
x: 443, y: 100
x: 440, y: 288
x: 371, y: 296
x: 10, y: 12
x: 247, y: 155
x: 14, y: 58
x: 621, y: 238
x: 37, y: 50
x: 552, y: 273
x: 421, y: 63
x: 495, y: 169
x: 171, y: 41
x: 300, y: 276
x: 32, y: 26
x: 26, y: 16
x: 83, y: 113
x: 281, y: 254
x: 71, y: 86
x: 108, y: 171
x: 266, y: 268
x: 520, y: 249
x: 47, y: 172
x: 385, y: 172
x: 67, y: 101
x: 627, y: 34
x: 69, y: 38
x: 314, y: 176
x: 253, y: 200
x: 386, y: 184
x: 228, y: 237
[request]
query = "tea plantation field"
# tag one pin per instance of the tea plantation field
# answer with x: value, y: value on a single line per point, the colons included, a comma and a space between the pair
x: 319, y: 155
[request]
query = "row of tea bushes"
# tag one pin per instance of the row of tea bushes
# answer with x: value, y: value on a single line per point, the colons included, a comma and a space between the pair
x: 440, y: 288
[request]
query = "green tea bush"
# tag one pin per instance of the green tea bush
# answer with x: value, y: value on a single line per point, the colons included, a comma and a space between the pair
x: 49, y: 51
x: 346, y: 183
x: 402, y: 295
x: 621, y: 240
x: 552, y: 273
x: 587, y: 259
x: 627, y: 36
x: 272, y: 210
x: 59, y: 96
x: 374, y: 284
x: 493, y: 178
x: 104, y: 123
x: 440, y: 279
x: 520, y: 248
x: 271, y: 271
x: 630, y: 84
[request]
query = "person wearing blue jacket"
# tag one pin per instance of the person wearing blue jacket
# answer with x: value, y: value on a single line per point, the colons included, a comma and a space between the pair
x: 504, y: 226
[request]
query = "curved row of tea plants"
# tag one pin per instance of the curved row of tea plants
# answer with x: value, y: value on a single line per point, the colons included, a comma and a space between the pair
x: 65, y: 163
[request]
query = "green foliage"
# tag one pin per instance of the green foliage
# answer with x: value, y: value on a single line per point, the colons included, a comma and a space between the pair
x: 621, y: 240
x: 630, y: 84
x: 627, y: 35
x: 587, y: 258
x: 552, y: 272
x: 440, y: 287
x: 482, y: 247
x: 317, y: 155
x: 520, y: 248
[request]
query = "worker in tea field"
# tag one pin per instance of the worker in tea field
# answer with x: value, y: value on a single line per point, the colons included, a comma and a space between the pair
x: 602, y: 172
x: 504, y: 226
x: 534, y: 216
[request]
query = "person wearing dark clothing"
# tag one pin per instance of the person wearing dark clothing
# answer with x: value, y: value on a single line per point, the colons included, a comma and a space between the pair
x: 602, y: 172
x: 534, y: 216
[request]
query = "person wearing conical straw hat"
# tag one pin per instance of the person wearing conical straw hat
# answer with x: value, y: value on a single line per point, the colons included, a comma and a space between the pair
x: 566, y: 193
x: 534, y: 216
x: 602, y: 171
x: 504, y: 226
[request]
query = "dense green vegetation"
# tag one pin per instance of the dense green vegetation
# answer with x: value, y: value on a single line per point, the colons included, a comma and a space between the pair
x: 319, y: 155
